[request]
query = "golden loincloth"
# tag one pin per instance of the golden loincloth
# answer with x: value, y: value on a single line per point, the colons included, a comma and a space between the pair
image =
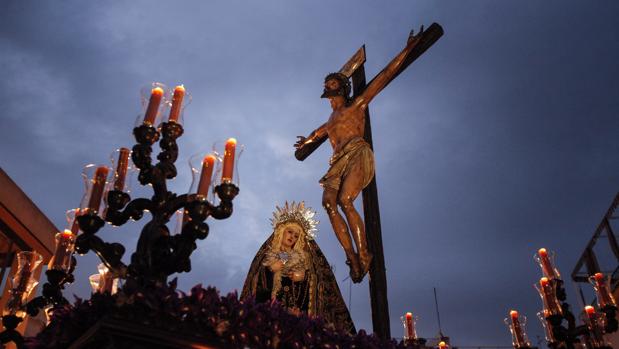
x: 356, y: 151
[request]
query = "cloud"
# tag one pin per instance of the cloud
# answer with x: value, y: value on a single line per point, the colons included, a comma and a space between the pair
x: 37, y: 97
x: 493, y: 142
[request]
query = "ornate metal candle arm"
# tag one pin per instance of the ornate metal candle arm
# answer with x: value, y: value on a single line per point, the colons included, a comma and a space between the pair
x: 21, y: 286
x: 570, y: 334
x: 558, y: 320
x: 10, y: 334
x: 52, y: 289
x: 158, y: 254
x: 417, y: 343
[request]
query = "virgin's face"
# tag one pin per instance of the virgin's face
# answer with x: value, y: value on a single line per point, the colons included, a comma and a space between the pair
x: 290, y: 236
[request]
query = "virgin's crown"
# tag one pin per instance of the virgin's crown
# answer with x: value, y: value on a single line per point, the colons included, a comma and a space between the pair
x: 298, y: 213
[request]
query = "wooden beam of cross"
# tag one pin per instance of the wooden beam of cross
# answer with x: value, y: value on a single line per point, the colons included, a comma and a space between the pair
x: 355, y: 70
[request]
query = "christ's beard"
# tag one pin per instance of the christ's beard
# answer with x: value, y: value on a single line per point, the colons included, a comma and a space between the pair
x: 332, y: 93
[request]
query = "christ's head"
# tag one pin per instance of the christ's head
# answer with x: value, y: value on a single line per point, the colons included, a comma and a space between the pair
x: 337, y: 86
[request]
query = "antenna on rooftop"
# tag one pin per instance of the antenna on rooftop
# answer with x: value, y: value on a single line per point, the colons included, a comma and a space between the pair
x: 438, y: 315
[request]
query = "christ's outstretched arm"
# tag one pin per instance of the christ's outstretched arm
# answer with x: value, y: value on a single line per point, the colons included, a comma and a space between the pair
x: 316, y: 134
x: 388, y: 73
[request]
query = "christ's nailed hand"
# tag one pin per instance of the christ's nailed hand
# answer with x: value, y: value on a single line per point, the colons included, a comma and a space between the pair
x: 300, y: 142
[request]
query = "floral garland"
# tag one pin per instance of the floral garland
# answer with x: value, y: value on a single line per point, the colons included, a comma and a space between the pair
x: 203, y: 312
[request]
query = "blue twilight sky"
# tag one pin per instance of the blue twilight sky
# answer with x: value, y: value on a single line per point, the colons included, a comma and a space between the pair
x: 501, y: 139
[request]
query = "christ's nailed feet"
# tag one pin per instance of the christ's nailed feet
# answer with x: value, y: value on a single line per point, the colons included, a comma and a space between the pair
x: 365, y: 261
x: 356, y: 275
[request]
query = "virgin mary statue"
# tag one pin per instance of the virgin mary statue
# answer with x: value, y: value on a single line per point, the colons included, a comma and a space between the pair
x: 290, y: 268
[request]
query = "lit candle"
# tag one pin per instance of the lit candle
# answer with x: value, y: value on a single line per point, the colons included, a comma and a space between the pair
x: 156, y: 95
x: 549, y: 297
x: 596, y: 328
x: 64, y: 249
x: 121, y: 169
x: 410, y: 326
x: 517, y: 328
x: 543, y: 315
x: 22, y: 285
x: 27, y: 262
x: 177, y: 102
x: 603, y: 293
x: 442, y: 345
x: 96, y: 193
x: 547, y: 267
x: 19, y: 290
x: 208, y: 163
x: 590, y: 313
x: 228, y: 167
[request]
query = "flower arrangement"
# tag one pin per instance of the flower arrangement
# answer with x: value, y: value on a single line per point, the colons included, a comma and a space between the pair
x: 202, y: 313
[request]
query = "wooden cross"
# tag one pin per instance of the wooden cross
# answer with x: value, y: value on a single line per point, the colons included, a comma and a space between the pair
x: 355, y: 69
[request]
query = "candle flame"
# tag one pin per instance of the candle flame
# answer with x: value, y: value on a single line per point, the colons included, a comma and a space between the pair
x: 542, y: 252
x: 157, y: 91
x: 209, y: 160
x: 590, y: 310
x: 513, y: 314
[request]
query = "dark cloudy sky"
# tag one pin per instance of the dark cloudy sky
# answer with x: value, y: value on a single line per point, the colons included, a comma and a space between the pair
x: 501, y: 139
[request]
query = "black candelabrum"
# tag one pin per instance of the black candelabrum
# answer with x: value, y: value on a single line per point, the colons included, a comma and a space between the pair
x: 560, y: 324
x: 566, y: 333
x: 158, y: 253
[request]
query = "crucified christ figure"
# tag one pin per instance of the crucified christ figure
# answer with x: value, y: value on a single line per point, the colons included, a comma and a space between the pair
x: 352, y: 163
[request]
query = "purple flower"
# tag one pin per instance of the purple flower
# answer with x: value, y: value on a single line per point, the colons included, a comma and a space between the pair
x: 201, y: 313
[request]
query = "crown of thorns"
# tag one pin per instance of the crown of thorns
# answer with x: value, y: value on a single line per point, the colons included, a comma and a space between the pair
x: 297, y: 213
x: 342, y: 78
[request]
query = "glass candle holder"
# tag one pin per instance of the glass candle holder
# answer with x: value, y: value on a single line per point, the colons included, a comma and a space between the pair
x: 154, y: 100
x: 104, y: 281
x: 65, y: 244
x: 229, y: 153
x: 410, y: 323
x: 72, y: 224
x: 601, y: 284
x: 204, y: 169
x: 177, y: 104
x: 546, y: 261
x: 548, y: 291
x: 177, y: 221
x: 516, y: 324
x: 96, y: 182
x: 22, y: 283
x: 124, y: 170
x: 549, y: 336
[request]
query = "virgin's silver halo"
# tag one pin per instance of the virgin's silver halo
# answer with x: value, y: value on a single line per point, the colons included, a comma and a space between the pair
x: 298, y: 213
